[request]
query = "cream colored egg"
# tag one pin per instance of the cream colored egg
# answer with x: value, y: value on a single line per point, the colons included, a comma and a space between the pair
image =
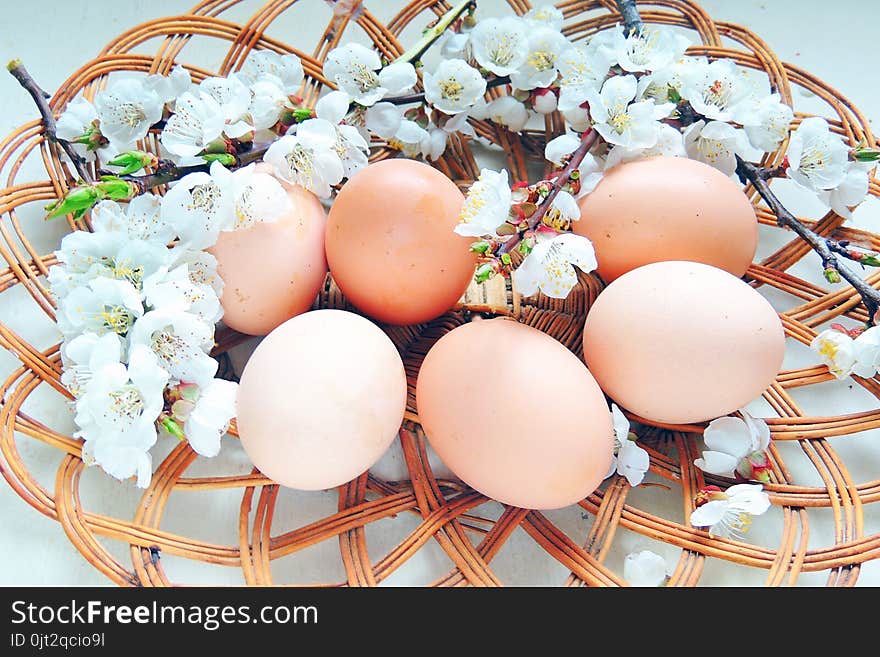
x: 321, y: 398
x: 682, y: 342
x: 515, y: 414
x: 273, y: 271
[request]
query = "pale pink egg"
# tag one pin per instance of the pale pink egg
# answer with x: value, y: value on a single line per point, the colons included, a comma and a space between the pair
x: 391, y: 246
x: 681, y: 342
x: 515, y: 414
x: 668, y: 208
x: 273, y: 271
x: 320, y: 400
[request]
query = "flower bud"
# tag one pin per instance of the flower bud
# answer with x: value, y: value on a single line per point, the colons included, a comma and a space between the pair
x: 480, y: 247
x: 484, y: 272
x: 544, y: 101
x: 76, y: 202
x: 226, y: 159
x: 708, y: 494
x: 117, y: 189
x: 832, y: 275
x: 133, y: 161
x: 172, y: 427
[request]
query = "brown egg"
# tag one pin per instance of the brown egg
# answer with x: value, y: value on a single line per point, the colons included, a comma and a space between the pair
x: 273, y: 271
x: 682, y: 342
x: 321, y: 399
x: 391, y: 246
x: 515, y: 414
x: 668, y: 208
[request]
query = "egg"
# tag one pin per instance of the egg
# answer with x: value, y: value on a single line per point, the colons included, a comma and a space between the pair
x: 273, y: 271
x: 391, y: 246
x: 682, y: 342
x: 320, y: 399
x: 668, y: 208
x: 515, y: 415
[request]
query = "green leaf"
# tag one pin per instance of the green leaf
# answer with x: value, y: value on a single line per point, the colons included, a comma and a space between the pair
x: 116, y: 189
x: 870, y: 260
x: 173, y: 428
x: 226, y: 159
x: 673, y: 95
x: 132, y: 161
x: 484, y: 273
x: 76, y: 202
x: 505, y: 259
x: 480, y: 247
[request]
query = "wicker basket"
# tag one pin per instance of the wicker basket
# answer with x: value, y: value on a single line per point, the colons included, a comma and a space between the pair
x: 372, y: 529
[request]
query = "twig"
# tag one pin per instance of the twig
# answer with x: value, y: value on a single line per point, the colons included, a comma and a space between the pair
x: 822, y: 246
x: 20, y: 73
x: 631, y: 20
x: 433, y: 33
x: 587, y: 141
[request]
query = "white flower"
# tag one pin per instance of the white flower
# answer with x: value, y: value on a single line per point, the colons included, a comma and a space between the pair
x: 199, y: 205
x: 285, y: 71
x: 582, y: 70
x: 730, y: 513
x: 591, y: 171
x: 209, y: 420
x: 619, y: 120
x: 197, y: 121
x: 104, y: 305
x: 844, y: 355
x: 550, y: 265
x: 309, y: 158
x: 126, y: 109
x: 201, y: 266
x: 175, y: 289
x: 86, y: 354
x: 509, y: 112
x: 558, y: 148
x: 562, y: 211
x: 454, y: 86
x: 353, y: 68
x: 544, y: 16
x: 578, y: 119
x: 409, y: 139
x: 383, y: 119
x: 434, y: 145
x: 169, y: 87
x: 76, y: 120
x: 545, y: 45
x: 116, y: 415
x: 350, y: 145
x: 486, y: 206
x: 644, y: 568
x: 267, y: 102
x: 717, y: 90
x: 544, y: 101
x: 84, y: 256
x: 851, y: 191
x: 817, y: 157
x: 732, y: 440
x: 650, y: 49
x: 181, y: 341
x: 456, y: 45
x: 716, y: 144
x: 500, y: 44
x: 141, y: 219
x: 670, y: 142
x: 233, y: 98
x: 256, y: 197
x: 768, y: 122
x: 630, y: 460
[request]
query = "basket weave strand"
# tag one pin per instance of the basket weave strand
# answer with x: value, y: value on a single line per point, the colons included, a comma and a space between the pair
x: 446, y: 513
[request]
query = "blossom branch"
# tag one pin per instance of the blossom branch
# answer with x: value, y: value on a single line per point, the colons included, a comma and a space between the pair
x: 20, y: 73
x: 433, y: 33
x: 561, y: 179
x: 834, y: 267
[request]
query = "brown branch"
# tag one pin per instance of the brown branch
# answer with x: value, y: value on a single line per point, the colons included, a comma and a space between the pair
x: 562, y: 178
x: 20, y: 73
x: 631, y: 20
x: 822, y: 246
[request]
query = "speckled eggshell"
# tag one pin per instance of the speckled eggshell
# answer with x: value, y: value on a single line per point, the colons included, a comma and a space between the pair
x: 273, y: 271
x: 515, y: 414
x: 320, y: 400
x: 682, y: 342
x: 668, y: 208
x: 391, y: 246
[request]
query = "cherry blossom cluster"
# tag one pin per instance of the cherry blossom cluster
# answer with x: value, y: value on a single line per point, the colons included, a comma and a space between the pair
x: 640, y: 95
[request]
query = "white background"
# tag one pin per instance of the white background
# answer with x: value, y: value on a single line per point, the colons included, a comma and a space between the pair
x: 831, y: 40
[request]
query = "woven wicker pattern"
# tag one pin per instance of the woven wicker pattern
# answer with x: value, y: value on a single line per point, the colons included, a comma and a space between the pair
x: 447, y: 512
